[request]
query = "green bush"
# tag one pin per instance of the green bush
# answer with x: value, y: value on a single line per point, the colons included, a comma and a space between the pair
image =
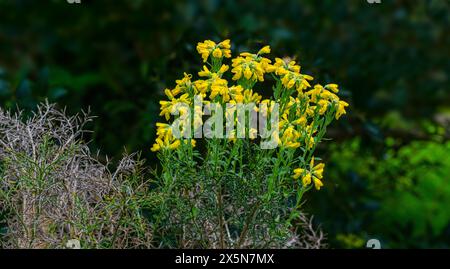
x: 398, y: 196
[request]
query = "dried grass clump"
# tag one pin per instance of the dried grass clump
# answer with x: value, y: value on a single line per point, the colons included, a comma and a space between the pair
x: 54, y: 191
x: 308, y: 236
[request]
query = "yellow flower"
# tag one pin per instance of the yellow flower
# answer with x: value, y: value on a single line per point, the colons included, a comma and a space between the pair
x: 298, y: 172
x: 264, y: 50
x: 281, y: 67
x: 208, y: 47
x: 289, y: 73
x: 333, y: 87
x: 207, y: 73
x: 289, y: 79
x: 220, y: 90
x: 217, y: 53
x: 205, y: 48
x: 193, y: 142
x: 290, y: 137
x: 250, y: 97
x: 224, y: 68
x: 317, y: 183
x: 183, y: 85
x: 214, y: 84
x: 319, y: 92
x: 166, y: 142
x: 315, y: 173
x: 248, y: 73
x: 306, y: 180
x: 166, y: 106
x: 198, y: 119
x: 323, y: 104
x: 225, y: 46
x: 309, y: 141
x: 251, y: 66
x: 300, y: 121
x: 235, y: 94
x: 341, y: 109
x: 163, y: 129
x: 285, y: 123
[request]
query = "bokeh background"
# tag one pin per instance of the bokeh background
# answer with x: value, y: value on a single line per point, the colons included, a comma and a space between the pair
x: 388, y: 163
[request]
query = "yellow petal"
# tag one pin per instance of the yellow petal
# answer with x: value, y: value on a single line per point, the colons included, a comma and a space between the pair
x: 217, y: 53
x: 247, y: 73
x: 264, y: 50
x: 317, y: 183
x: 306, y: 180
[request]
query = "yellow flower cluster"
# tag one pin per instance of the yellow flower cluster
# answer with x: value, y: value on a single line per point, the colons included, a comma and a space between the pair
x: 218, y: 51
x: 214, y: 83
x: 290, y: 74
x: 325, y: 96
x: 303, y: 108
x: 166, y: 106
x: 315, y: 173
x: 251, y: 66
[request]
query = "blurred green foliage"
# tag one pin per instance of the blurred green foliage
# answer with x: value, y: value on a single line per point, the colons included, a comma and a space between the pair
x: 390, y: 59
x: 400, y: 197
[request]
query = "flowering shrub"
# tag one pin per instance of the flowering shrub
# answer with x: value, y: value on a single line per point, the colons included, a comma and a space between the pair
x: 241, y: 187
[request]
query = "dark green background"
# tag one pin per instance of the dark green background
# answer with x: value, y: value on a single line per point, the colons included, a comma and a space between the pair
x: 387, y: 173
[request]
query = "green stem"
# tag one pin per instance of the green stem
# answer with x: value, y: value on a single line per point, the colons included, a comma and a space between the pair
x: 247, y: 224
